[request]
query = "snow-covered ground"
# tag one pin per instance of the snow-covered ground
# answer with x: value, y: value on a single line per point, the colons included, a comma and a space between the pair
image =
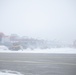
x: 8, y: 72
x: 52, y: 50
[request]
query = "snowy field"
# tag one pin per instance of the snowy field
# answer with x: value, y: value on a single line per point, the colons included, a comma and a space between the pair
x: 52, y: 50
x: 8, y: 72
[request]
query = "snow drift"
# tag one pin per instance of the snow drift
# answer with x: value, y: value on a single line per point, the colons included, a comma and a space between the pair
x: 52, y: 50
x: 3, y: 47
x: 9, y: 72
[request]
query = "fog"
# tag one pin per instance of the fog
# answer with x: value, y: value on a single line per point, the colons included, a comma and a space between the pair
x: 42, y: 19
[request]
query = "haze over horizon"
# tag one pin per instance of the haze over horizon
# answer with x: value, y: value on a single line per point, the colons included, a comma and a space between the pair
x: 45, y: 19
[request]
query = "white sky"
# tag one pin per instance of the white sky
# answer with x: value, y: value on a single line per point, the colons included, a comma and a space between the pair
x: 47, y: 19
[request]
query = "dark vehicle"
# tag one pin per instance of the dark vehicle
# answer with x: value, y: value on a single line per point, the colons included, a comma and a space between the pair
x: 15, y: 47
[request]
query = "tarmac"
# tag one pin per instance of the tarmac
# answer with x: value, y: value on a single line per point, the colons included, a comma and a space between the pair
x: 39, y: 63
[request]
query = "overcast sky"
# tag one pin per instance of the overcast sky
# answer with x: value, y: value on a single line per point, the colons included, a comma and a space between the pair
x: 47, y: 19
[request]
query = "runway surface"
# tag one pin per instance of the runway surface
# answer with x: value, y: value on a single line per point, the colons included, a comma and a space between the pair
x: 39, y: 63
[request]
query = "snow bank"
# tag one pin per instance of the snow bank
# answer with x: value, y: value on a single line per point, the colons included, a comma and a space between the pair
x: 52, y: 50
x: 3, y: 47
x: 8, y: 72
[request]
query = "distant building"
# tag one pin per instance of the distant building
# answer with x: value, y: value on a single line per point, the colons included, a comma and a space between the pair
x: 14, y: 38
x: 1, y: 36
x: 6, y: 39
x: 74, y: 44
